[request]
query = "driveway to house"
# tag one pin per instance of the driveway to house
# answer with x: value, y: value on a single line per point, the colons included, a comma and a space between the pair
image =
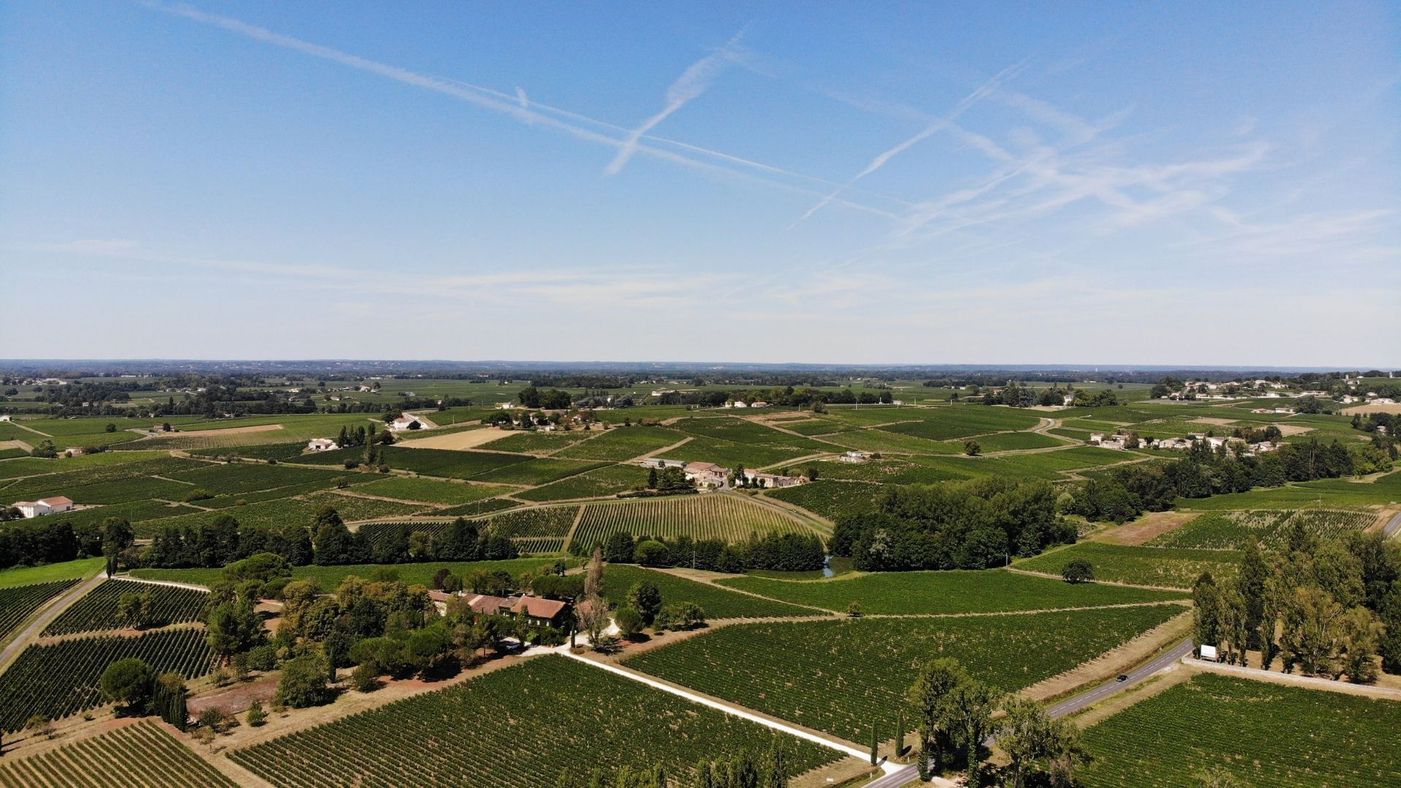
x: 1071, y: 705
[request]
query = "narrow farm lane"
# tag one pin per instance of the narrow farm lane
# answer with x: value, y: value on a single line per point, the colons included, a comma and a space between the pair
x: 45, y: 616
x: 1393, y: 527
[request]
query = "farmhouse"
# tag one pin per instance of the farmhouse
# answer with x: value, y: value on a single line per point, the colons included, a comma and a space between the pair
x: 321, y: 444
x: 706, y: 474
x: 406, y: 421
x: 536, y: 610
x: 5, y: 417
x: 771, y: 480
x: 43, y: 506
x: 855, y: 456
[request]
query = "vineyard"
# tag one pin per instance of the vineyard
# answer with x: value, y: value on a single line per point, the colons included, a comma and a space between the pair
x: 519, y: 726
x: 536, y: 530
x: 98, y: 609
x: 18, y: 602
x: 841, y: 676
x: 56, y: 680
x: 708, y: 516
x: 141, y: 755
x: 953, y: 591
x: 1259, y: 734
x: 832, y: 499
x: 1171, y: 567
x: 618, y: 579
x: 1237, y: 530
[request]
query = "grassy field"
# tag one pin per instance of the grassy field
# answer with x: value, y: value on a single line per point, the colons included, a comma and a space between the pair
x: 986, y: 591
x: 1237, y: 530
x: 843, y: 676
x: 61, y: 679
x: 1154, y: 566
x: 546, y: 715
x: 608, y: 480
x: 80, y: 569
x: 432, y: 491
x: 1258, y: 733
x: 141, y: 755
x: 706, y: 516
x: 98, y: 609
x: 328, y: 577
x: 717, y: 602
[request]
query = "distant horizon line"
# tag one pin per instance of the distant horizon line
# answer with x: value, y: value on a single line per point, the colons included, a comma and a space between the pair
x: 1075, y: 366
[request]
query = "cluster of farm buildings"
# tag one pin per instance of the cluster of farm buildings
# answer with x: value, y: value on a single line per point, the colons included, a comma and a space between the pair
x: 1122, y: 441
x: 536, y: 610
x: 43, y: 506
x: 709, y: 476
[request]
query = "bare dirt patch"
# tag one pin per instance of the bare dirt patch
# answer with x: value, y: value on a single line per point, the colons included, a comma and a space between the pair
x: 468, y: 439
x: 1145, y: 528
x: 236, y: 698
x: 1213, y: 421
x: 1293, y: 429
x: 1373, y: 408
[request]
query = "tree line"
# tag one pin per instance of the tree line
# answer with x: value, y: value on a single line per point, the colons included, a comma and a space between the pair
x: 968, y: 525
x: 1127, y: 491
x: 1320, y: 607
x: 47, y: 541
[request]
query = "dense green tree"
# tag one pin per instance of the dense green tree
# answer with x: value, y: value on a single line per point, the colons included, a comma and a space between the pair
x: 646, y: 599
x: 303, y: 681
x: 128, y: 682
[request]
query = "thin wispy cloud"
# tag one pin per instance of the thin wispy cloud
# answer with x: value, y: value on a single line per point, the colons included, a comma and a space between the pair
x: 939, y: 124
x: 693, y: 82
x: 517, y: 106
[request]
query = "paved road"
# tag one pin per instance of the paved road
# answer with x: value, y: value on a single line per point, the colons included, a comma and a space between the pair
x: 1392, y: 527
x: 1073, y: 704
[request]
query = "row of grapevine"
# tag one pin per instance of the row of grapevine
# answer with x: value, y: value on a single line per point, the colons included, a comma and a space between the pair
x: 18, y: 602
x: 56, y: 680
x: 1235, y: 530
x: 840, y: 676
x: 137, y: 755
x: 708, y: 516
x: 98, y: 610
x: 545, y: 544
x: 516, y: 728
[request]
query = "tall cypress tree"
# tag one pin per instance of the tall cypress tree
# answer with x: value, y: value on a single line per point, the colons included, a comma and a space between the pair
x: 875, y: 746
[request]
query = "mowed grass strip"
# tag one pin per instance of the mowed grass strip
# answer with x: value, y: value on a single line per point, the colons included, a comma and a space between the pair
x: 1258, y: 733
x: 953, y: 591
x: 1152, y: 566
x: 81, y: 569
x: 517, y: 727
x: 618, y: 580
x: 842, y: 676
x: 142, y: 754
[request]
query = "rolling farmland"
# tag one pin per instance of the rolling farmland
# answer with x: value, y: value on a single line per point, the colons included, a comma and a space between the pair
x: 950, y: 591
x: 142, y: 755
x: 61, y: 679
x: 17, y: 602
x: 98, y: 609
x: 1237, y: 530
x: 840, y: 676
x: 717, y: 602
x: 708, y: 516
x: 1169, y: 567
x: 561, y: 714
x: 1259, y: 734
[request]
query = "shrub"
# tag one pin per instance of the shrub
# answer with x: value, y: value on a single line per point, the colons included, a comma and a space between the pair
x: 1078, y: 571
x: 629, y: 622
x: 256, y: 717
x: 364, y: 678
x: 303, y: 682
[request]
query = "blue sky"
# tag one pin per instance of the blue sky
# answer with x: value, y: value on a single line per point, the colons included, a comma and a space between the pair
x: 843, y: 182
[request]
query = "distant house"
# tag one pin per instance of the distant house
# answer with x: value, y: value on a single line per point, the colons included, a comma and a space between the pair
x: 771, y: 480
x: 505, y: 405
x: 1209, y: 654
x: 5, y: 417
x: 706, y: 474
x: 758, y: 403
x: 43, y: 506
x: 855, y: 456
x: 1096, y: 438
x: 407, y: 421
x: 739, y: 403
x: 659, y: 463
x: 321, y: 444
